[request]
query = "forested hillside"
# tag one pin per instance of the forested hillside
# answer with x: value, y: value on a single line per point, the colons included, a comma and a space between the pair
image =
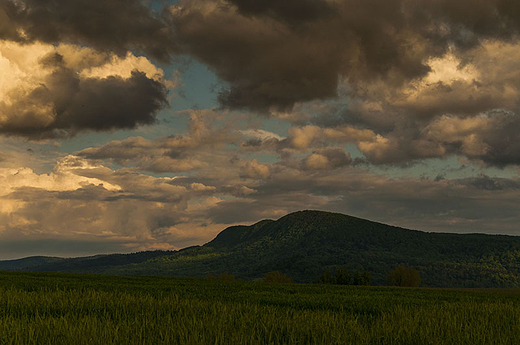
x: 305, y: 244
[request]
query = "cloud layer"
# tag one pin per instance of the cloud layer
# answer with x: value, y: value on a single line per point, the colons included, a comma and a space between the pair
x: 91, y: 203
x: 111, y: 26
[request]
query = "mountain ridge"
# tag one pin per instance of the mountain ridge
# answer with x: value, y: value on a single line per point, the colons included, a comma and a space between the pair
x: 305, y: 243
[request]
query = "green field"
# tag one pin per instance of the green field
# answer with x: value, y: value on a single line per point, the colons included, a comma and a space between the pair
x: 40, y: 308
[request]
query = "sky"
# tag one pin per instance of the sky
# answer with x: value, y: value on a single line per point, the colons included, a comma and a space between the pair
x: 129, y: 125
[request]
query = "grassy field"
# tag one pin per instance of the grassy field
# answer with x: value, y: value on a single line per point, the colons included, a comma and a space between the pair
x: 87, y: 309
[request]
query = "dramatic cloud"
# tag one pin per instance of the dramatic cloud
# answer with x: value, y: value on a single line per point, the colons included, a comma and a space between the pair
x: 295, y: 51
x: 290, y: 11
x: 351, y: 106
x: 58, y: 91
x: 399, y: 67
x: 87, y: 202
x: 112, y: 26
x: 277, y: 66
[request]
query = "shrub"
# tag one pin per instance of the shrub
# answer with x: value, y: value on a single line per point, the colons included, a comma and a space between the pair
x: 402, y: 276
x: 326, y: 278
x: 342, y: 276
x: 277, y: 277
x: 365, y: 278
x: 356, y: 280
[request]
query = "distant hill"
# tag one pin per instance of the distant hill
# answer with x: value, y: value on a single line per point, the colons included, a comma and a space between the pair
x: 304, y: 244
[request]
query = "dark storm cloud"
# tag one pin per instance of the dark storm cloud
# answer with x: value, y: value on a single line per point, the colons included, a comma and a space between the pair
x: 291, y: 11
x: 65, y: 103
x: 269, y: 63
x: 502, y: 140
x: 108, y: 25
x: 8, y: 27
x: 276, y: 53
x: 470, y: 20
x: 110, y: 103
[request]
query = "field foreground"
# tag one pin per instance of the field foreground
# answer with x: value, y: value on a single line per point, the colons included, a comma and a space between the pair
x: 50, y: 308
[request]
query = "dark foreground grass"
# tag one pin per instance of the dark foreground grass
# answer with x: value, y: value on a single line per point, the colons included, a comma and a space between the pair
x: 87, y: 309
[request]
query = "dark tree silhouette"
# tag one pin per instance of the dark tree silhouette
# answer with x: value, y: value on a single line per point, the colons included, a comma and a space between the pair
x: 277, y: 277
x: 365, y: 278
x: 342, y: 276
x: 326, y: 278
x: 402, y: 276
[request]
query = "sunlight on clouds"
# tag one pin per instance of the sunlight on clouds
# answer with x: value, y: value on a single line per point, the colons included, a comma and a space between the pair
x: 20, y: 69
x: 62, y: 178
x: 9, y: 206
x: 445, y: 73
x: 21, y: 64
x: 448, y: 128
x: 303, y: 137
x: 85, y: 200
x: 375, y: 148
x: 317, y: 161
x: 260, y: 134
x: 449, y: 68
x: 123, y: 67
x: 467, y: 131
x: 44, y: 88
x: 199, y: 187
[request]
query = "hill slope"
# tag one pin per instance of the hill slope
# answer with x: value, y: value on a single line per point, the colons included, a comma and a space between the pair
x: 303, y: 244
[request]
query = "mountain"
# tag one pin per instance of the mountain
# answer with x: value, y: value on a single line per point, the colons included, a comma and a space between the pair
x: 24, y: 263
x: 304, y: 244
x: 89, y: 264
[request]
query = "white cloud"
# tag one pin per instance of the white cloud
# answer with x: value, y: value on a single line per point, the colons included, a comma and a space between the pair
x: 63, y: 178
x: 260, y: 134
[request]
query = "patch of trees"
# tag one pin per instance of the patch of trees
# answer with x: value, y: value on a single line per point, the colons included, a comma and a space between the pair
x: 277, y: 277
x: 402, y: 276
x: 341, y: 276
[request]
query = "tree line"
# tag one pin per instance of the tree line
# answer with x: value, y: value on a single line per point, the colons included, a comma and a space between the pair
x: 342, y: 276
x: 400, y: 276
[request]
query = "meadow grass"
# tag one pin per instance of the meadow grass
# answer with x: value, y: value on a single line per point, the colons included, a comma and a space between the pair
x: 40, y: 308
